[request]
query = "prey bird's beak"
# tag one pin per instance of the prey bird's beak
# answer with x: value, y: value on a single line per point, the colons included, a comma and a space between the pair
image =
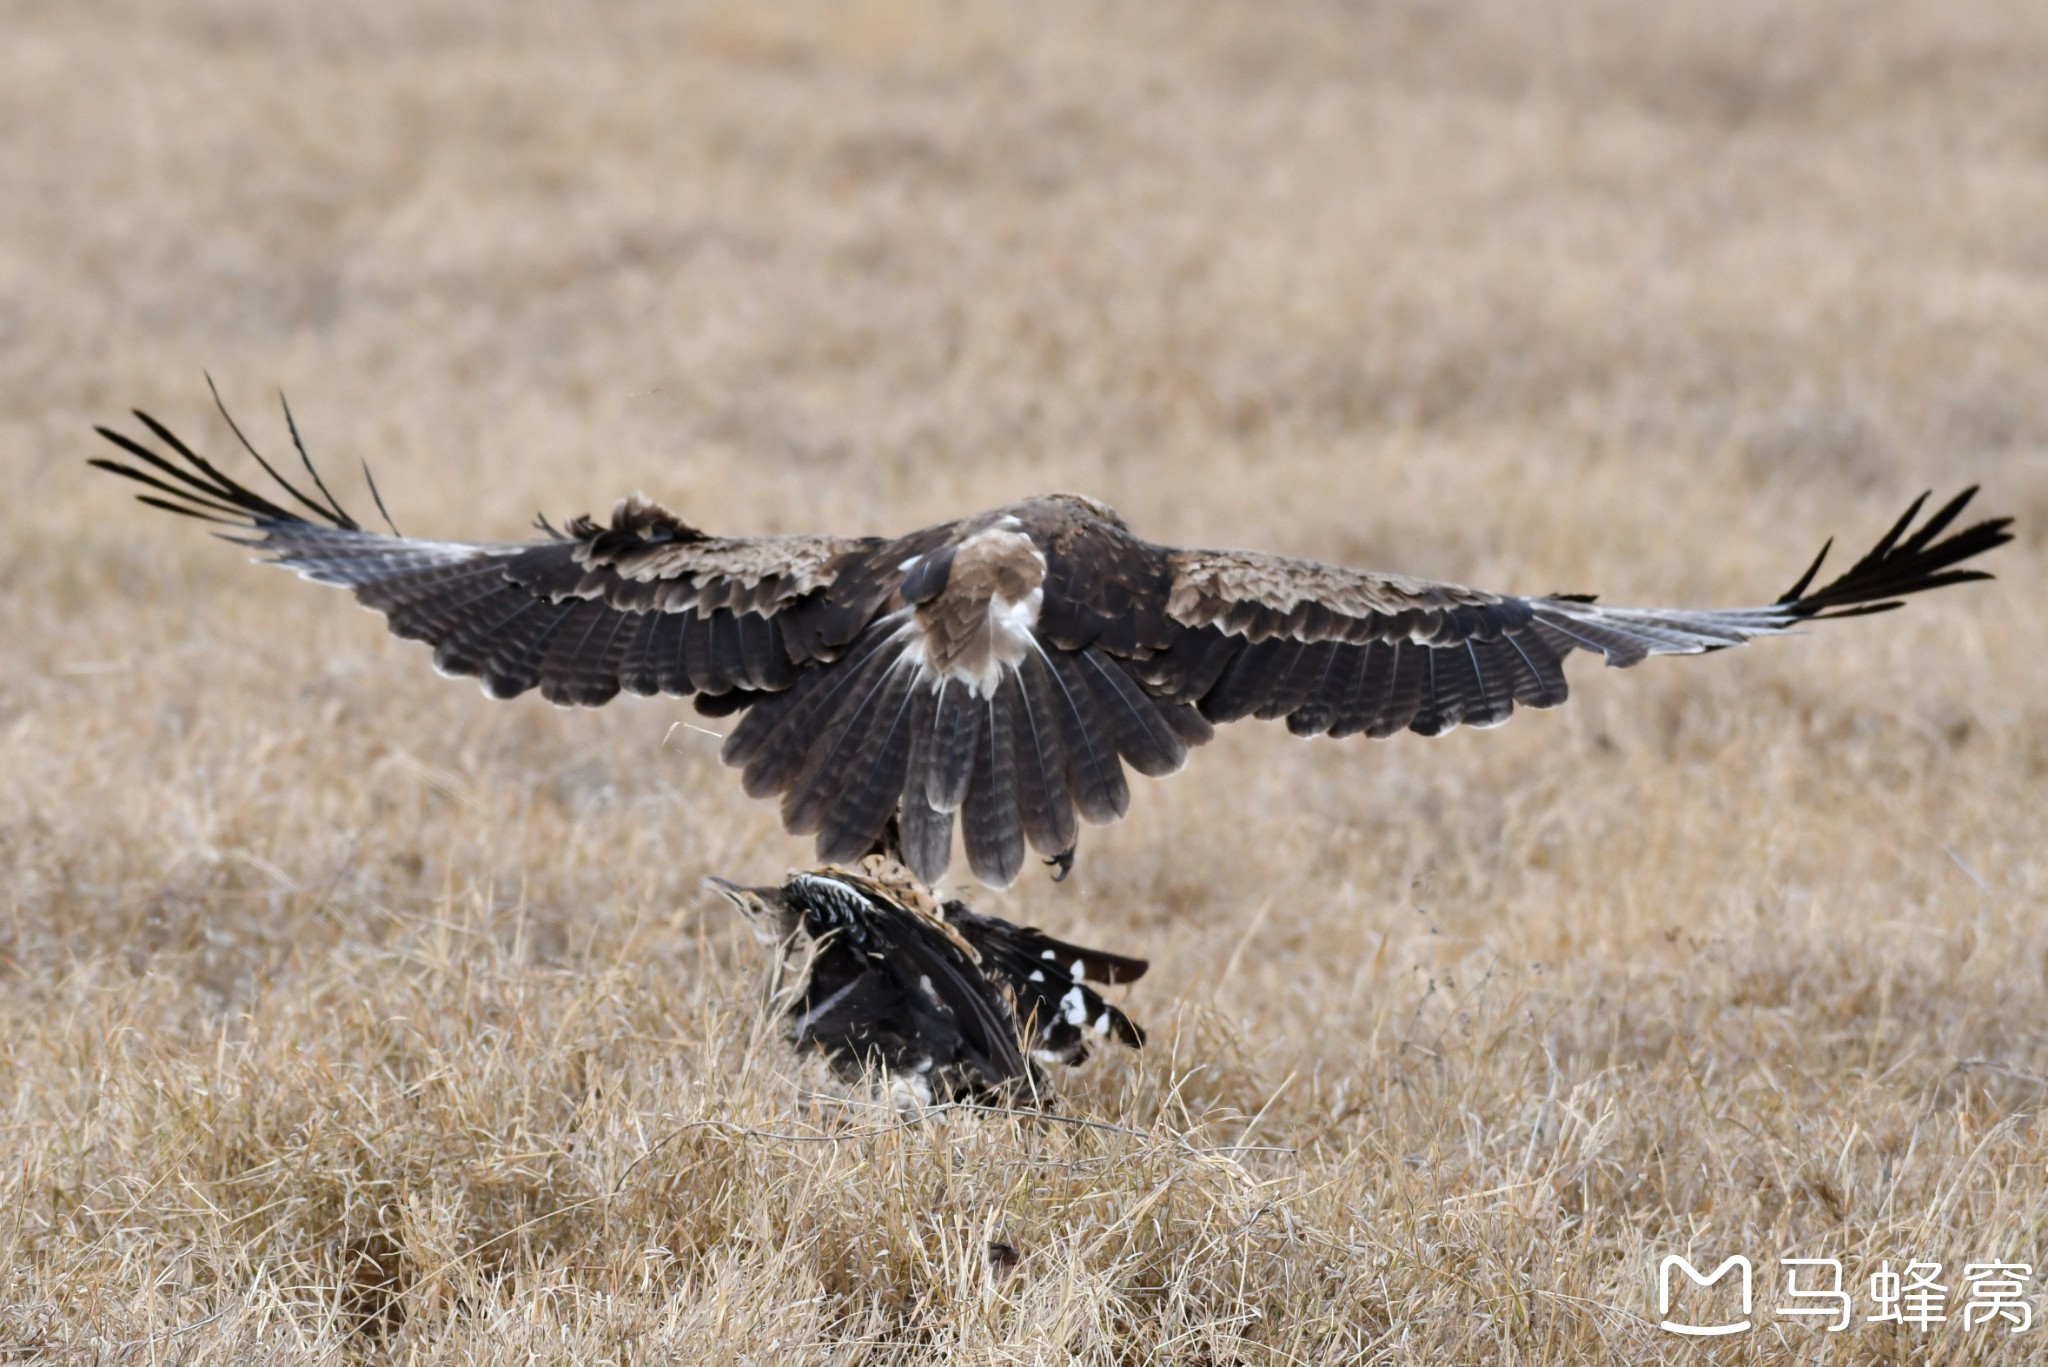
x: 764, y: 909
x: 744, y: 898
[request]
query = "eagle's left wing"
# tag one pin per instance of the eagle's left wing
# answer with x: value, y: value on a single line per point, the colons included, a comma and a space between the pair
x: 645, y: 603
x: 1337, y: 651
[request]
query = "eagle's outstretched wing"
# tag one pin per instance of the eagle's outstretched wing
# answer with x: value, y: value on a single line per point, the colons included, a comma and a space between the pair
x: 1003, y: 668
x: 1337, y: 651
x: 646, y: 603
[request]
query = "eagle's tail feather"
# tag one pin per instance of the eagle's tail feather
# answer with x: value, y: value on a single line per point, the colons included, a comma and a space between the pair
x: 1046, y: 807
x: 956, y: 732
x: 772, y: 741
x: 989, y: 819
x: 1095, y: 777
x: 924, y: 833
x: 858, y: 812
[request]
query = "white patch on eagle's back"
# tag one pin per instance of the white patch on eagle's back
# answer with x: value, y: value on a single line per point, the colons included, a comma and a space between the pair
x: 1037, y: 975
x: 1012, y: 629
x: 1074, y: 1007
x: 1102, y: 1024
x: 997, y: 644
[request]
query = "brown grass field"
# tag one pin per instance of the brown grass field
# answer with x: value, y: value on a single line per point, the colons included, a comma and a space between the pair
x: 346, y: 1015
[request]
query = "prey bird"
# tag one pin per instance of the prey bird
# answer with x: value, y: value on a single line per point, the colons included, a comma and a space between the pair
x: 929, y: 995
x: 1001, y: 669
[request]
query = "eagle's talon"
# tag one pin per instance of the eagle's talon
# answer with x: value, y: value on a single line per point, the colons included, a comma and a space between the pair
x: 1061, y: 864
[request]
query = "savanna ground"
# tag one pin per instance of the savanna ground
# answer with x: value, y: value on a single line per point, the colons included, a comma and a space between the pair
x: 346, y: 1015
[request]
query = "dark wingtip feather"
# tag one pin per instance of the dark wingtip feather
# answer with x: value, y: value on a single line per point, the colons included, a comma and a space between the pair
x: 377, y: 497
x: 185, y: 502
x: 334, y: 508
x: 204, y: 485
x: 1791, y: 595
x: 1901, y: 564
x: 220, y: 405
x: 185, y: 510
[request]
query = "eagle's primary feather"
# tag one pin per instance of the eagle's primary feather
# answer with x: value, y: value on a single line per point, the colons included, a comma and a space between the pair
x: 1001, y: 669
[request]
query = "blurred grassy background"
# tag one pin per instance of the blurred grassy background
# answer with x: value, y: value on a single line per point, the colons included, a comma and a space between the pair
x: 343, y: 1010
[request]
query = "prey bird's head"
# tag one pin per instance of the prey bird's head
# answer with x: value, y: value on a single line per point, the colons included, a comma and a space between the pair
x: 767, y: 910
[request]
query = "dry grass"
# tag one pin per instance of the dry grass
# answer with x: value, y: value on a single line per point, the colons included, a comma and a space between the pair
x: 344, y: 1014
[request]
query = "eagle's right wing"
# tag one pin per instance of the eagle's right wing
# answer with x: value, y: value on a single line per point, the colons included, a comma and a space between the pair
x: 1340, y: 651
x: 646, y: 603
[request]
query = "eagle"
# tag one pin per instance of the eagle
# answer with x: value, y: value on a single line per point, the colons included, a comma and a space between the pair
x: 946, y: 1002
x: 998, y: 672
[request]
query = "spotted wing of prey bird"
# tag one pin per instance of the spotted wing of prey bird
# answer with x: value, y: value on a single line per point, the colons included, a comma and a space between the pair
x: 944, y: 1002
x: 998, y: 672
